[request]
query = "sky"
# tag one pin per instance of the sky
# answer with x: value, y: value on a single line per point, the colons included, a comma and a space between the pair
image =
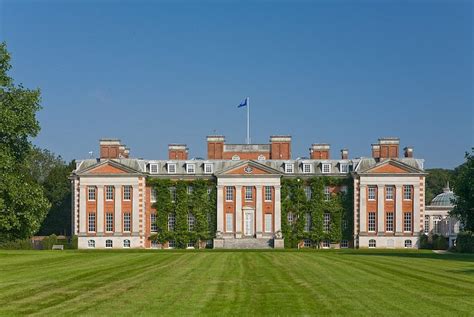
x: 158, y: 72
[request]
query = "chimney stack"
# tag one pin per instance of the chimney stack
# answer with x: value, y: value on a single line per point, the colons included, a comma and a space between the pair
x: 389, y: 147
x: 376, y: 151
x: 112, y: 149
x: 344, y: 154
x: 215, y: 147
x: 408, y: 151
x: 177, y: 152
x: 280, y: 147
x: 320, y: 151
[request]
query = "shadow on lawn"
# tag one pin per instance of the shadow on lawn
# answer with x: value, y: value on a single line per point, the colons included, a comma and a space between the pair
x: 424, y: 254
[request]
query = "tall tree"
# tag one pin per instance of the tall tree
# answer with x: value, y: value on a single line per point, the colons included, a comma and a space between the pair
x: 464, y: 190
x: 436, y: 181
x: 23, y: 205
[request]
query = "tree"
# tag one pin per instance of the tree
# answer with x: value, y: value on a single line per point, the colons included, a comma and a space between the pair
x: 464, y: 190
x: 436, y: 181
x: 23, y: 205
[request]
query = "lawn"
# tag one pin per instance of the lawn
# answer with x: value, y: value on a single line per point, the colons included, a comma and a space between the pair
x: 349, y: 282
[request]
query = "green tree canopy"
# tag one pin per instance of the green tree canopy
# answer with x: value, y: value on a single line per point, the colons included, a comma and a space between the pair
x: 464, y: 190
x: 435, y: 182
x: 23, y: 205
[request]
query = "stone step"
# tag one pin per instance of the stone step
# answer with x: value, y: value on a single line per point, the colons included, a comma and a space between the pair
x: 248, y: 243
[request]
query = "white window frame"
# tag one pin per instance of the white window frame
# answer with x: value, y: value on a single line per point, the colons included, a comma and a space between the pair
x: 407, y: 192
x: 307, y: 222
x: 109, y: 193
x: 229, y: 193
x: 371, y: 192
x: 154, y: 244
x: 171, y: 168
x: 92, y: 222
x: 191, y: 168
x: 109, y: 244
x: 327, y: 193
x: 171, y: 244
x: 189, y: 190
x: 289, y: 168
x: 371, y: 221
x: 261, y: 157
x: 127, y: 192
x: 127, y: 244
x: 248, y: 193
x: 191, y: 222
x: 190, y: 245
x: 389, y: 221
x: 171, y: 221
x: 235, y: 158
x: 389, y: 192
x: 344, y: 244
x: 91, y: 193
x: 408, y: 244
x: 229, y: 222
x: 290, y: 218
x: 153, y: 225
x: 308, y: 192
x: 109, y: 222
x: 326, y: 244
x: 372, y: 243
x: 407, y: 221
x: 91, y: 244
x: 427, y: 225
x: 172, y: 190
x: 325, y: 168
x: 154, y: 168
x: 152, y: 195
x: 307, y: 243
x: 127, y: 221
x: 208, y: 168
x: 309, y: 165
x: 344, y: 168
x: 268, y: 193
x: 268, y: 223
x: 326, y: 222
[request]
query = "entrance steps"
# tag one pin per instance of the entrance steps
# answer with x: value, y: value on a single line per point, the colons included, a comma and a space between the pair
x: 248, y: 243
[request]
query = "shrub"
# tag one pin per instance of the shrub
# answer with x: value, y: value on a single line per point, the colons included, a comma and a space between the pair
x: 49, y: 241
x: 425, y: 242
x: 74, y: 242
x: 24, y: 244
x: 465, y: 242
x: 439, y: 242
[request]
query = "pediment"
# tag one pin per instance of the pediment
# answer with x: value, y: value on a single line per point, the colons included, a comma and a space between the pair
x: 108, y: 168
x: 249, y: 168
x: 392, y: 167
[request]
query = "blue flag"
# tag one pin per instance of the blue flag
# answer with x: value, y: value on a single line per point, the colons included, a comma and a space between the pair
x: 243, y: 104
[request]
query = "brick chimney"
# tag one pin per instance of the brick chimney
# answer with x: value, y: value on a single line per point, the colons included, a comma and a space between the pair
x: 112, y: 149
x: 344, y: 154
x: 389, y: 147
x: 408, y: 151
x: 215, y: 147
x: 320, y: 151
x: 280, y: 147
x: 177, y: 152
x: 376, y: 150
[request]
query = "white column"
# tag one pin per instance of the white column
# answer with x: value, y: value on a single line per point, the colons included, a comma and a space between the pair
x: 238, y: 212
x: 416, y: 209
x: 220, y: 208
x: 100, y: 209
x: 118, y: 210
x: 258, y: 215
x: 398, y: 209
x: 363, y: 209
x: 82, y: 209
x: 135, y: 212
x: 277, y: 217
x: 380, y: 209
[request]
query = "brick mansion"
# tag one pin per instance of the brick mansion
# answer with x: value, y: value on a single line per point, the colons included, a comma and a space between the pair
x: 249, y: 196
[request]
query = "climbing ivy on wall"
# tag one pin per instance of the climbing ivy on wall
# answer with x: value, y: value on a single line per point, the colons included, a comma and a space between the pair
x: 197, y: 202
x: 339, y: 206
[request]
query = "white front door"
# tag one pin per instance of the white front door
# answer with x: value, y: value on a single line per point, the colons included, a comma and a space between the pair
x: 248, y: 224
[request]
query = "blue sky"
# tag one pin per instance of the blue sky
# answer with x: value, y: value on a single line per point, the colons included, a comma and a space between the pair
x: 153, y: 73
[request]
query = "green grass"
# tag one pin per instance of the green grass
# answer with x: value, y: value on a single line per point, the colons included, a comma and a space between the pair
x: 349, y: 283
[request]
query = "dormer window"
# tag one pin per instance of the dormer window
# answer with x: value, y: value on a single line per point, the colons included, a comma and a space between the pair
x: 235, y: 158
x: 261, y: 158
x: 289, y: 168
x: 306, y: 168
x: 153, y: 168
x: 344, y: 168
x: 326, y: 168
x: 207, y: 168
x: 171, y: 168
x: 190, y: 168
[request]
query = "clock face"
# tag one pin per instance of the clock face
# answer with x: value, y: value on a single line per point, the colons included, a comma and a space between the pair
x: 248, y: 170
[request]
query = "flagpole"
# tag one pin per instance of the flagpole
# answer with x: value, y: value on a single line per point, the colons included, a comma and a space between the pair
x: 248, y: 120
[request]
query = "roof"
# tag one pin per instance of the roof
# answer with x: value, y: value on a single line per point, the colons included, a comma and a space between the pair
x: 445, y: 199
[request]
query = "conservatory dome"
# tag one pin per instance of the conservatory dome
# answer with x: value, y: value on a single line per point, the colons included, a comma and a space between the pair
x: 444, y: 199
